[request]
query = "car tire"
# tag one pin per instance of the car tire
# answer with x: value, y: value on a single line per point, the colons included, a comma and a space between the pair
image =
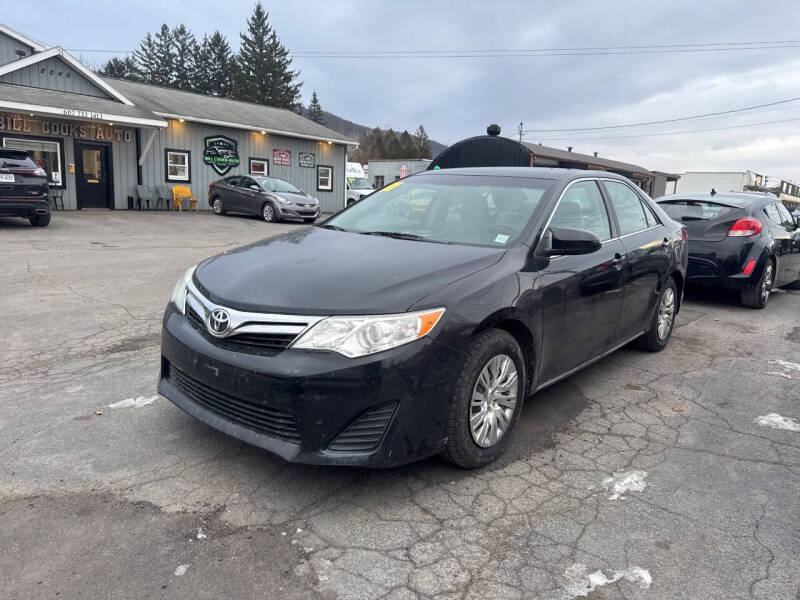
x: 659, y: 332
x: 462, y: 447
x: 310, y: 220
x: 268, y: 213
x: 756, y: 296
x: 40, y: 220
x: 217, y: 206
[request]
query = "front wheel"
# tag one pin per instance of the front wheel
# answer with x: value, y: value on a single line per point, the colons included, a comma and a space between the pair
x: 40, y: 220
x: 657, y: 336
x: 756, y: 296
x: 487, y: 400
x: 268, y: 213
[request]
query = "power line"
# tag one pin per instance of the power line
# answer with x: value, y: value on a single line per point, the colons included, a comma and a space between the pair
x: 516, y: 52
x: 638, y: 135
x: 661, y: 122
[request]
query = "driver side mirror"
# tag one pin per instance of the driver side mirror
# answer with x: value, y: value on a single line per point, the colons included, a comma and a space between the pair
x: 254, y: 186
x: 566, y: 241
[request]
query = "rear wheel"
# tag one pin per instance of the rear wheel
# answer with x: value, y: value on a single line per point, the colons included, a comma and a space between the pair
x: 658, y: 335
x: 756, y: 296
x: 268, y: 213
x: 217, y: 206
x: 487, y: 400
x: 40, y: 220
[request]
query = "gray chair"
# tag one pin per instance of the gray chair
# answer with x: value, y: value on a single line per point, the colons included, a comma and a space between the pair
x: 143, y: 194
x: 164, y: 194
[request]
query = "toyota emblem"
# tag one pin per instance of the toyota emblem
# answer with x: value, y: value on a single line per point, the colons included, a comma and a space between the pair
x: 218, y: 322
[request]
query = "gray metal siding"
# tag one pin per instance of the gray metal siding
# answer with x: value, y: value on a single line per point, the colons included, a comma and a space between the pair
x: 9, y: 47
x: 54, y: 74
x: 191, y: 136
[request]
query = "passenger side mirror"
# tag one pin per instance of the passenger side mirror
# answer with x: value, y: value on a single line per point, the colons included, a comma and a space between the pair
x: 563, y: 240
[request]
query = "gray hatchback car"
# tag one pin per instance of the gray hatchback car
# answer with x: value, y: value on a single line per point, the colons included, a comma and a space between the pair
x: 271, y: 198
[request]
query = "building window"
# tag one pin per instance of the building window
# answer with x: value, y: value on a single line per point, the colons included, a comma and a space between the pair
x: 324, y: 178
x: 379, y: 182
x: 177, y: 167
x: 397, y: 177
x: 45, y: 154
x: 259, y: 166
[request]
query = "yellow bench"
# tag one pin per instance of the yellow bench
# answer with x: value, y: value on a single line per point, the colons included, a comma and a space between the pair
x: 181, y: 193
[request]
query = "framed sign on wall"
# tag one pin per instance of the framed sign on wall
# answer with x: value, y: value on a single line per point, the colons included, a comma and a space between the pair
x: 307, y: 160
x: 282, y: 158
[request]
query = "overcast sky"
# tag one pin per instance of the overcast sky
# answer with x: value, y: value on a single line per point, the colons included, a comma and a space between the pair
x: 457, y: 97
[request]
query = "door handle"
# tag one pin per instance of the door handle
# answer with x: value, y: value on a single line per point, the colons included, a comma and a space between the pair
x: 618, y: 260
x: 665, y: 243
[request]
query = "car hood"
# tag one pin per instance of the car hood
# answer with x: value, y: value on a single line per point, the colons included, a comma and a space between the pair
x: 319, y: 271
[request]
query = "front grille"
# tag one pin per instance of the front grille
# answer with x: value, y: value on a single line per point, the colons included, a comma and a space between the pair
x: 257, y: 417
x: 252, y: 343
x: 364, y: 433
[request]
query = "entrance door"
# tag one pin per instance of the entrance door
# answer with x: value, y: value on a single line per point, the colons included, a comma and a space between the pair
x: 93, y: 175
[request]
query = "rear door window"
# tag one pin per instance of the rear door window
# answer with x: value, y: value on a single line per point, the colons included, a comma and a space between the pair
x: 786, y: 216
x: 631, y: 214
x: 234, y: 181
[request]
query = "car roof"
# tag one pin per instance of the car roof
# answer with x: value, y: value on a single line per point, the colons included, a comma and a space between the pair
x: 735, y: 199
x: 552, y: 173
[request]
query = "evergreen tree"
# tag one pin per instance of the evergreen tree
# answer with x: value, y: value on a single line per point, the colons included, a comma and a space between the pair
x: 315, y: 110
x: 423, y: 143
x: 185, y: 59
x: 164, y: 69
x: 393, y: 147
x: 408, y: 148
x: 264, y: 74
x: 145, y: 59
x: 215, y: 66
x: 124, y: 68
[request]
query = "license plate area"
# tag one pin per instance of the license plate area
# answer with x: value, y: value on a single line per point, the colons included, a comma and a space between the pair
x: 6, y: 178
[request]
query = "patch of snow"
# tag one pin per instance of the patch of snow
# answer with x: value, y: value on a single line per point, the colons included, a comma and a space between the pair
x: 181, y: 570
x: 624, y: 481
x: 776, y: 421
x: 580, y: 583
x: 137, y: 402
x: 789, y: 366
x: 780, y: 374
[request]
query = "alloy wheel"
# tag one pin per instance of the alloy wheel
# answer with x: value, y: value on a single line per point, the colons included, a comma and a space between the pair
x: 766, y: 286
x: 268, y: 213
x: 666, y: 313
x: 494, y: 400
x: 217, y: 206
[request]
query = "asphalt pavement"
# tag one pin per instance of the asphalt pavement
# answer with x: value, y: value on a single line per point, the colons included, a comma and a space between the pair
x: 658, y: 476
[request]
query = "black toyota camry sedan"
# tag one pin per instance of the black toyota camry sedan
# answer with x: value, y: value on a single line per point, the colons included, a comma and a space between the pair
x: 743, y: 241
x: 417, y: 321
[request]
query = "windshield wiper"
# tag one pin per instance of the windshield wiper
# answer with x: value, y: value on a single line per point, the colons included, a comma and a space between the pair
x: 403, y: 236
x: 334, y: 227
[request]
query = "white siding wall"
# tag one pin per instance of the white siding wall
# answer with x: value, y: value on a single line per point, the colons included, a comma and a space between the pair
x: 191, y: 136
x: 54, y: 74
x: 698, y: 182
x: 9, y: 47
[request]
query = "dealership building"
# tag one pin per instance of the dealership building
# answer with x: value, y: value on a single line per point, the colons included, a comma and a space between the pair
x: 101, y: 140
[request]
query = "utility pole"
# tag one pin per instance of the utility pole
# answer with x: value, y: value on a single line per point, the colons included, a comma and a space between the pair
x: 520, y: 132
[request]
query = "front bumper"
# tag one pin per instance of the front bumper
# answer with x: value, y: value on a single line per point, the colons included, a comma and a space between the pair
x: 313, y: 407
x: 24, y: 207
x: 295, y: 211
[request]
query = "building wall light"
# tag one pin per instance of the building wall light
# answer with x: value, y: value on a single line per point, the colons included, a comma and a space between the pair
x: 263, y: 132
x: 180, y: 120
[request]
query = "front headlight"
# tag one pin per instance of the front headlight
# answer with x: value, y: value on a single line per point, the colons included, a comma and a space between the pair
x: 180, y: 291
x: 359, y: 336
x: 282, y: 200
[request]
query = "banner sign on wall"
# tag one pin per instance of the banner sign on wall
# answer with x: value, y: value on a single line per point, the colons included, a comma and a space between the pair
x: 221, y: 153
x: 282, y: 158
x: 308, y: 160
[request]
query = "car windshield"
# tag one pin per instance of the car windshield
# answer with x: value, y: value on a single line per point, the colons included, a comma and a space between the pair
x: 277, y: 185
x: 358, y: 183
x: 457, y: 209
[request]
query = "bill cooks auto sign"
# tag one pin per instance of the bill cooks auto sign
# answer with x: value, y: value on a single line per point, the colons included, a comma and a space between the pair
x: 221, y: 153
